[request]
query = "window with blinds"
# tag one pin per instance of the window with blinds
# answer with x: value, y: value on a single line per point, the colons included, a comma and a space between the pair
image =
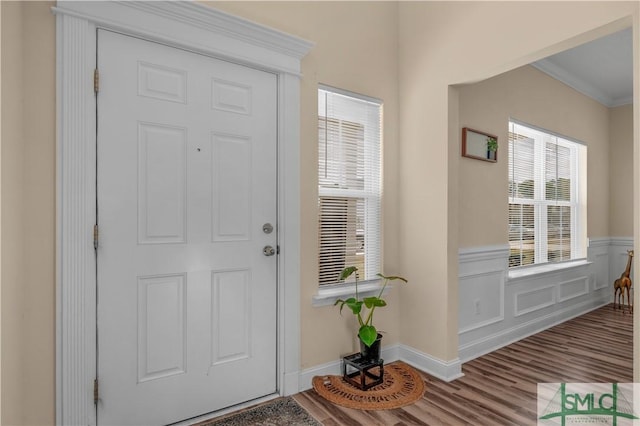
x: 547, y: 197
x: 349, y: 184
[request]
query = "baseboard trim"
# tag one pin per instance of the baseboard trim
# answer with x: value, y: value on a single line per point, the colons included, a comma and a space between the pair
x: 503, y: 338
x: 388, y: 353
x: 443, y: 370
x: 305, y: 382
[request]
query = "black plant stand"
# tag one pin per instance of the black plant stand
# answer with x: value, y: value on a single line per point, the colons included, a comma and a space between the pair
x: 356, y: 370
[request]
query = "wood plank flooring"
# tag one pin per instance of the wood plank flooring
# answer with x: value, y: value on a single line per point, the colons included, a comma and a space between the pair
x: 500, y: 388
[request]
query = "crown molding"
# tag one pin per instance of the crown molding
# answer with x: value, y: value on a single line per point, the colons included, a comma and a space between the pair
x: 576, y: 83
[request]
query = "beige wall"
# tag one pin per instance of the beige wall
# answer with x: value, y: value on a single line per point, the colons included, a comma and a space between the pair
x: 355, y: 49
x: 39, y: 212
x: 532, y: 97
x: 12, y: 264
x: 621, y: 171
x: 440, y: 44
x: 28, y: 213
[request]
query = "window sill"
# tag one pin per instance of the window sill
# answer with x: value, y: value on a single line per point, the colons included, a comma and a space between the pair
x: 328, y: 296
x: 546, y: 269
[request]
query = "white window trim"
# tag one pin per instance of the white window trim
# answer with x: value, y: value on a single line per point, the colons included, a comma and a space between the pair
x: 326, y: 291
x: 543, y: 269
x: 578, y: 243
x: 328, y: 295
x: 350, y: 94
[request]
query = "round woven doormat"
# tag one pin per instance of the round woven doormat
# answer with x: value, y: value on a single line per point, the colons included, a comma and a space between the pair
x: 402, y: 386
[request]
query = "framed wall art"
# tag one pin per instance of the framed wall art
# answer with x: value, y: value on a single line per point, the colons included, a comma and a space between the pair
x: 479, y: 145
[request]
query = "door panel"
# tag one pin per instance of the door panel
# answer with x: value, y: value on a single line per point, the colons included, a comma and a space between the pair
x: 162, y: 180
x: 161, y: 327
x: 231, y: 319
x: 231, y: 212
x: 186, y: 179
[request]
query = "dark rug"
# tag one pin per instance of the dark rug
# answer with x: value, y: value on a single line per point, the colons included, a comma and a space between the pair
x: 282, y: 411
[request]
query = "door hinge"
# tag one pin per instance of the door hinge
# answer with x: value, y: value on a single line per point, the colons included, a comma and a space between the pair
x: 95, y: 391
x: 96, y: 236
x: 96, y: 80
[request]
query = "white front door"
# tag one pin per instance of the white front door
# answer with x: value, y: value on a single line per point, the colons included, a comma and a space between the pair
x: 186, y: 181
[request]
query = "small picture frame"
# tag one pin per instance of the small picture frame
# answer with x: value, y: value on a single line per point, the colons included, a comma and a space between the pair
x: 479, y: 145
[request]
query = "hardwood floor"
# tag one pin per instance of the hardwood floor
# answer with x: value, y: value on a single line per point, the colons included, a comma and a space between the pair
x: 500, y: 388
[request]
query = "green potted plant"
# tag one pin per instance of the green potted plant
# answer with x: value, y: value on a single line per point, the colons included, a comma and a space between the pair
x: 363, y: 309
x: 492, y: 144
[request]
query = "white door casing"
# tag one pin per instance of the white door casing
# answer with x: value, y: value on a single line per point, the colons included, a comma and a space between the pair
x: 186, y: 180
x: 193, y: 27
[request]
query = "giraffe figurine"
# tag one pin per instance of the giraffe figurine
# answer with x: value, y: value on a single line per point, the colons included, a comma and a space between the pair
x: 623, y: 283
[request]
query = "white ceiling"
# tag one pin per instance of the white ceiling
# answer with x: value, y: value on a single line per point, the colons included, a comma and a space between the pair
x: 601, y: 69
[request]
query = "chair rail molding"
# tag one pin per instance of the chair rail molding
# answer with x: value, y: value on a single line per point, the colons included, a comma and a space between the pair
x: 473, y: 254
x: 197, y: 28
x: 621, y: 241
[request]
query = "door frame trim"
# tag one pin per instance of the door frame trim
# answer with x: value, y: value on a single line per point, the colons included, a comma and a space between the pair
x: 201, y: 29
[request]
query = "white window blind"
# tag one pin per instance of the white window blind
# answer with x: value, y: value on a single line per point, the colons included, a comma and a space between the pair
x: 547, y: 197
x: 349, y: 184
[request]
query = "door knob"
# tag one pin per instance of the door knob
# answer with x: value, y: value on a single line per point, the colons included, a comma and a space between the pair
x: 268, y: 251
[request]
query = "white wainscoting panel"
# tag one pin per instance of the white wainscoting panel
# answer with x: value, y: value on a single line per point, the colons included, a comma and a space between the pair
x: 481, y: 287
x: 599, y: 254
x: 483, y: 303
x: 601, y: 262
x: 496, y: 310
x: 533, y: 300
x: 573, y: 288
